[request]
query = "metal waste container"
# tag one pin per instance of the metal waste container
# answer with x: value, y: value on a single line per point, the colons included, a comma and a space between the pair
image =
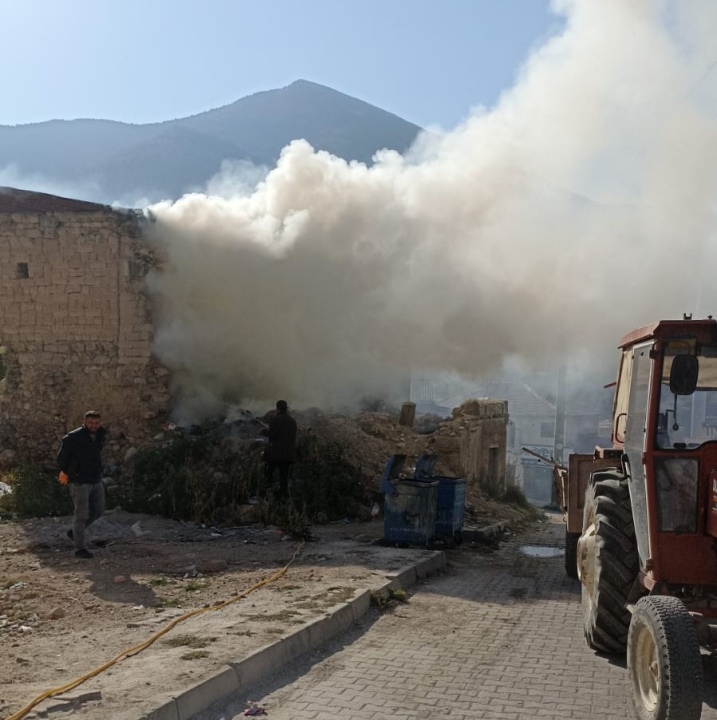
x: 409, y: 506
x: 450, y: 500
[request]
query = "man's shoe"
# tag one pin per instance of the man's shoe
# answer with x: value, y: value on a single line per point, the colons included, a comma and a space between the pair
x: 86, y: 554
x: 71, y: 534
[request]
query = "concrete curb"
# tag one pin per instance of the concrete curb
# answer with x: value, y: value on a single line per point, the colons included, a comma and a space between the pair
x: 483, y: 534
x: 242, y: 674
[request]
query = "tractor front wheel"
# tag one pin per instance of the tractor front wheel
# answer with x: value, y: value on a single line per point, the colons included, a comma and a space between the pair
x: 663, y: 661
x: 608, y: 563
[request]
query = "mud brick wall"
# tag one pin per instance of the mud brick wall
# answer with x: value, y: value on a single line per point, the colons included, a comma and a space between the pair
x: 484, y: 444
x: 75, y: 330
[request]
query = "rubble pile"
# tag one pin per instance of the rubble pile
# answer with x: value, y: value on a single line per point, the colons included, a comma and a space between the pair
x: 367, y: 440
x: 370, y: 438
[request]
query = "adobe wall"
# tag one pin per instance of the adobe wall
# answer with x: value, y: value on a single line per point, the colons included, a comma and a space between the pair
x: 75, y: 330
x: 484, y: 443
x: 474, y: 443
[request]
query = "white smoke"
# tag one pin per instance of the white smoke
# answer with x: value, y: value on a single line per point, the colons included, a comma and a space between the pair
x: 330, y: 278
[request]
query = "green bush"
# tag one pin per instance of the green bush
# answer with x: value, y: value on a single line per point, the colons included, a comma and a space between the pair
x: 201, y: 478
x: 189, y: 478
x: 35, y: 493
x: 323, y: 481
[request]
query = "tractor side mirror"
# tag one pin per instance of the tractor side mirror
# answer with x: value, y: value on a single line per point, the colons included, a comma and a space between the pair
x: 683, y: 374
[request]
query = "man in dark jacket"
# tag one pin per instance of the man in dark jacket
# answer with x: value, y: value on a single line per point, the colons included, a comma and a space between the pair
x: 80, y: 462
x: 282, y: 442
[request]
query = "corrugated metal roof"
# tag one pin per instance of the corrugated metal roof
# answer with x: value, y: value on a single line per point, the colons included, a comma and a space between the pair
x: 13, y: 200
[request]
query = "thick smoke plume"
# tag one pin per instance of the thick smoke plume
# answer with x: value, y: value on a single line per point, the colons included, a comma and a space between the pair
x: 329, y: 278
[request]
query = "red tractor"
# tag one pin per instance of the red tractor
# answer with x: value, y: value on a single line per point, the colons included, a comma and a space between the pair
x: 641, y: 518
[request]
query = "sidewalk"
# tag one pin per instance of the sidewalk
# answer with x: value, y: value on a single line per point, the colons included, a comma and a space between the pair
x: 326, y: 590
x: 498, y: 637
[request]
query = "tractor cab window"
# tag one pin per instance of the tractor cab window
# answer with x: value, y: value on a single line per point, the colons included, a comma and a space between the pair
x: 686, y: 421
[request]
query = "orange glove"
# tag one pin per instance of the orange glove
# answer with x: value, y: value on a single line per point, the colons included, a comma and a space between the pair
x: 63, y: 478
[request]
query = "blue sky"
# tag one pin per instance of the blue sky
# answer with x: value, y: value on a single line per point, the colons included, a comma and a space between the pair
x: 427, y: 61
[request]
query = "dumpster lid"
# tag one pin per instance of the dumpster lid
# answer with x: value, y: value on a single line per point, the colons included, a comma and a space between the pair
x: 393, y: 470
x: 425, y: 465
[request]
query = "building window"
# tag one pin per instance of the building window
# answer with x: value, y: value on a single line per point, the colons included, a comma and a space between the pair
x: 22, y: 271
x: 136, y: 270
x: 547, y: 429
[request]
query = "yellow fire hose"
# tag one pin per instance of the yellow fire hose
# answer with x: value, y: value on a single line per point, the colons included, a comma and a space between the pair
x: 152, y: 639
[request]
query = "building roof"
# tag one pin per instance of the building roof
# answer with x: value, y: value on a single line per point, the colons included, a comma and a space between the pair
x: 13, y: 200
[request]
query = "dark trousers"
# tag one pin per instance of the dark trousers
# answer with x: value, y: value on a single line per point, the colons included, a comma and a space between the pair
x: 283, y: 467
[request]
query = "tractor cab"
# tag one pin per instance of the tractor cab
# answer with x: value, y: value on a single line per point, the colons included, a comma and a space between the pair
x: 665, y: 424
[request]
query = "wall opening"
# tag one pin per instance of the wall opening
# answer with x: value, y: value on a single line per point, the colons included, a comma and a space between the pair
x: 3, y: 369
x: 136, y: 270
x: 493, y: 467
x: 22, y: 271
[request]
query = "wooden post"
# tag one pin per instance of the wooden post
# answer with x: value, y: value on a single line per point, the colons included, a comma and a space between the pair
x: 408, y: 414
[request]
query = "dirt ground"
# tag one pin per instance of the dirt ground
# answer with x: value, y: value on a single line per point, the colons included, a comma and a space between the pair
x: 61, y: 617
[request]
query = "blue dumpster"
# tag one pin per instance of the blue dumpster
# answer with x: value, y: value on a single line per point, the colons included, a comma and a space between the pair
x: 450, y: 499
x: 409, y: 506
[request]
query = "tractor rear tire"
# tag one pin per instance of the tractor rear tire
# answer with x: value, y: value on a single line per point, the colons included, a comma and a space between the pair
x: 571, y: 553
x: 609, y: 562
x: 663, y: 661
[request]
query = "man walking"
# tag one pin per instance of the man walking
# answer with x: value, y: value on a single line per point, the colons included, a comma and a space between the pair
x: 282, y: 441
x: 80, y: 463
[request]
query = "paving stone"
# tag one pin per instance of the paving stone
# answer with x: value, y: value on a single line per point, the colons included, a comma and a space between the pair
x: 466, y: 646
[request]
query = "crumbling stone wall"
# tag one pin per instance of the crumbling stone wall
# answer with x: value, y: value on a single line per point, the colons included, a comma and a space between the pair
x: 474, y: 443
x: 484, y: 443
x: 75, y: 329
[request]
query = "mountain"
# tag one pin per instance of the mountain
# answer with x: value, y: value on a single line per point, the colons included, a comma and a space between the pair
x: 159, y: 160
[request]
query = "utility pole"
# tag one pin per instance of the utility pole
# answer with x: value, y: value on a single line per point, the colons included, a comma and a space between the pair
x: 559, y: 441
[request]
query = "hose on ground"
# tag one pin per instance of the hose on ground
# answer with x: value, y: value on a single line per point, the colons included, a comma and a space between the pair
x: 153, y: 638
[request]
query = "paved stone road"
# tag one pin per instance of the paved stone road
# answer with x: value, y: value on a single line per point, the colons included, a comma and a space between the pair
x: 498, y: 637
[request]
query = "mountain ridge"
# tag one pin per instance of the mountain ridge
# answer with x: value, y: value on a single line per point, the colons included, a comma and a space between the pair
x: 169, y: 157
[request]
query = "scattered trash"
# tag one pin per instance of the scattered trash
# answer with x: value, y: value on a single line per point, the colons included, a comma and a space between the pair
x: 253, y: 709
x: 375, y: 510
x: 16, y: 586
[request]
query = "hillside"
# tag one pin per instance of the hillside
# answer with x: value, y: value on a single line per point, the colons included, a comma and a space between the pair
x: 152, y: 161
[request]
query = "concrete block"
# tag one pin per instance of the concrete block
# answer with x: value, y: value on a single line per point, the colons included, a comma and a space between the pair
x: 404, y: 578
x: 319, y: 631
x: 484, y: 534
x: 255, y: 666
x: 167, y: 711
x: 206, y: 692
x: 436, y: 562
x: 361, y: 604
x: 296, y: 644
